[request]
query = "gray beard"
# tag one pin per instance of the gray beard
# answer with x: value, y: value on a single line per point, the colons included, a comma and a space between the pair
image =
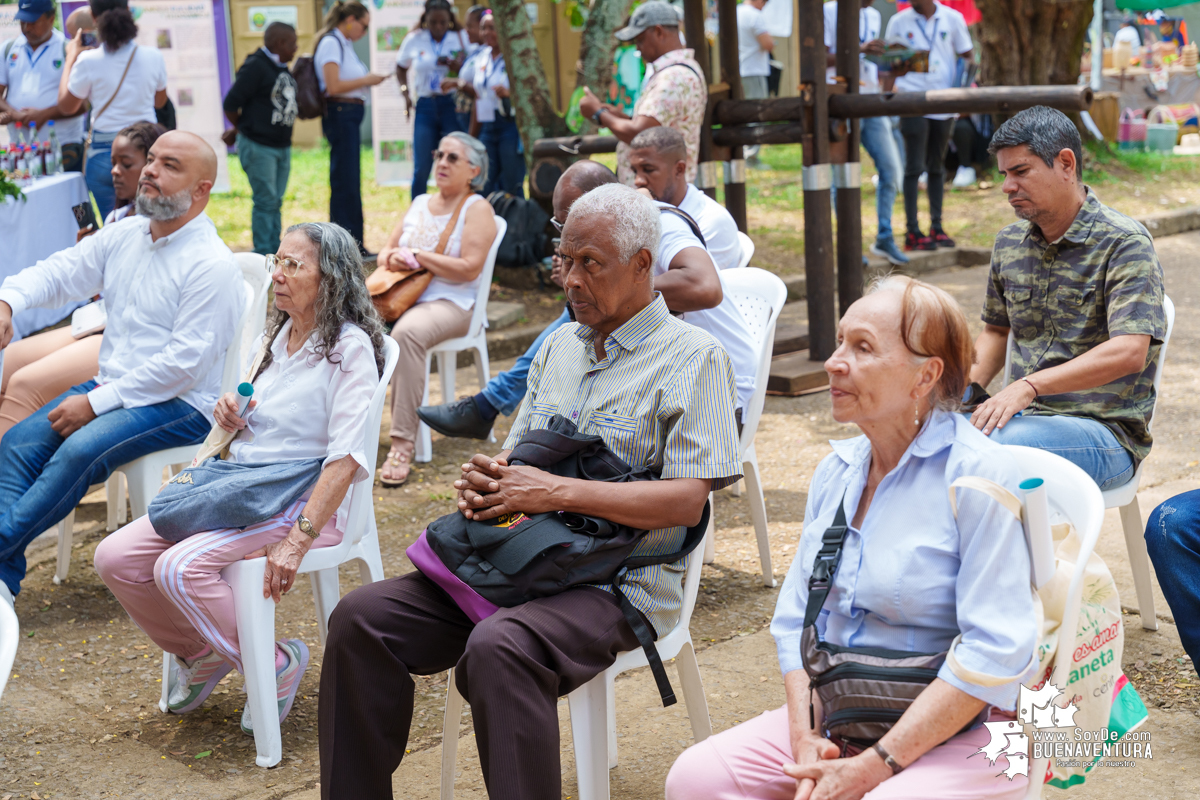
x: 164, y: 207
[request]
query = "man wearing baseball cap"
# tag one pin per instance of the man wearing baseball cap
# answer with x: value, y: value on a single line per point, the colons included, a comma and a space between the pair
x: 673, y: 93
x: 30, y: 69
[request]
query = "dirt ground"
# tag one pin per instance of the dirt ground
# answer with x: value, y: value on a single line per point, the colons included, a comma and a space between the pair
x: 79, y: 718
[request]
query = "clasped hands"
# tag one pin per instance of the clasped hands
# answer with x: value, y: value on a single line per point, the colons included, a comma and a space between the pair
x: 821, y: 775
x: 490, y: 488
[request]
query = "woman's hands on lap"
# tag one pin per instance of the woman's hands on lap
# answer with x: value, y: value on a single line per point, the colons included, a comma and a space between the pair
x: 283, y: 559
x: 832, y: 778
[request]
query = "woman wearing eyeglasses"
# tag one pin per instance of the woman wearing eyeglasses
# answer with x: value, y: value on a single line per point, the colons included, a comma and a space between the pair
x: 443, y: 311
x: 311, y: 398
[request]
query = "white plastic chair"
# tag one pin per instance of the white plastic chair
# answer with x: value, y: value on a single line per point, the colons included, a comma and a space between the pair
x: 145, y: 475
x: 593, y: 705
x: 256, y: 614
x: 447, y: 351
x: 1073, y: 496
x: 1124, y: 497
x: 10, y: 633
x: 759, y: 296
x: 747, y: 249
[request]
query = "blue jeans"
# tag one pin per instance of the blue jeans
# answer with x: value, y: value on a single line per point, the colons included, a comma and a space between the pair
x: 43, y: 476
x: 881, y: 147
x: 98, y: 172
x: 506, y: 390
x: 506, y: 159
x: 1173, y: 540
x: 267, y: 169
x: 434, y: 118
x: 1086, y: 443
x: 341, y: 127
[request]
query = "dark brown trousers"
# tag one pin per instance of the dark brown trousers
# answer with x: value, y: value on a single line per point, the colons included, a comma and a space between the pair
x: 511, y: 668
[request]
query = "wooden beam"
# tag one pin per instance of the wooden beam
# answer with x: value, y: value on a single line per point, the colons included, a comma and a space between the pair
x: 574, y: 145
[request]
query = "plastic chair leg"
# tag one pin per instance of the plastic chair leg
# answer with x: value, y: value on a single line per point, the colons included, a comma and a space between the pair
x: 326, y: 593
x: 115, y: 495
x: 1139, y: 562
x: 423, y: 447
x: 370, y: 567
x: 447, y: 371
x: 166, y: 677
x: 66, y: 532
x: 589, y: 718
x: 758, y: 512
x: 710, y: 536
x: 484, y: 371
x: 10, y: 634
x: 142, y: 486
x: 454, y: 704
x: 693, y: 692
x: 736, y: 489
x: 256, y: 635
x: 610, y: 695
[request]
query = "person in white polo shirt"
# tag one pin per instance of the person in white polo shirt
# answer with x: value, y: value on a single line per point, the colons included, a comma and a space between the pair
x: 754, y: 58
x: 125, y: 83
x: 930, y: 26
x: 29, y: 76
x: 877, y: 136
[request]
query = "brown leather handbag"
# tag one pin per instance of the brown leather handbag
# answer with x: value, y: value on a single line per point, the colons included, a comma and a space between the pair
x: 393, y: 293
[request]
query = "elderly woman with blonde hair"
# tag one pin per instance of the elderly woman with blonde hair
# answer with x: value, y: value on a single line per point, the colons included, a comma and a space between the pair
x: 888, y: 577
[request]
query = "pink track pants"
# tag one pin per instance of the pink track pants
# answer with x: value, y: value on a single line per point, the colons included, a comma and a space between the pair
x: 747, y: 761
x: 175, y: 592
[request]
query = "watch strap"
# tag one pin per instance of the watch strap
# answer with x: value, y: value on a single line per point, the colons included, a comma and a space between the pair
x: 887, y: 758
x: 306, y: 527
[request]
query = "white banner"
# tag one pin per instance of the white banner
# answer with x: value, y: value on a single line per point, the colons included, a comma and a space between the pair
x: 391, y: 133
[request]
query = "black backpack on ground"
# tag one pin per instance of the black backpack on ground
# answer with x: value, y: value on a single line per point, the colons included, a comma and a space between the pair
x: 525, y: 240
x: 517, y: 558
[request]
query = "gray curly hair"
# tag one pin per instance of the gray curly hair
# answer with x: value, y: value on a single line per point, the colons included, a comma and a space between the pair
x: 476, y: 156
x: 342, y: 297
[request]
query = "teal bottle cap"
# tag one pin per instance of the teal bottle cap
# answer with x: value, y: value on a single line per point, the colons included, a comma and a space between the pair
x: 246, y: 389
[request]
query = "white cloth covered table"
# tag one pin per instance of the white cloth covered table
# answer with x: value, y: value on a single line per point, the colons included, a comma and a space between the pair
x: 34, y: 229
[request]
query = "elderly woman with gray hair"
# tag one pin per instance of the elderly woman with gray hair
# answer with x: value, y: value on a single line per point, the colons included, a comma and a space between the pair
x: 321, y: 361
x: 443, y: 311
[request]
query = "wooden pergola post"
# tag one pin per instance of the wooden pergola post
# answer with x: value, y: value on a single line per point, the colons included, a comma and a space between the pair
x: 731, y: 76
x: 708, y: 168
x: 847, y: 176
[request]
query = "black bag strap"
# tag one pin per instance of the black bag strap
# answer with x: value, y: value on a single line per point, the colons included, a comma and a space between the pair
x: 645, y: 637
x: 825, y: 564
x: 687, y: 218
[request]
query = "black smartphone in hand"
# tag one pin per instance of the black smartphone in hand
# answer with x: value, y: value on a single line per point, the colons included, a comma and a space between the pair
x: 88, y: 39
x: 85, y: 215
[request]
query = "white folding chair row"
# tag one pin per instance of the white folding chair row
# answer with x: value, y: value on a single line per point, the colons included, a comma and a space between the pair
x: 256, y: 614
x: 1073, y: 497
x: 447, y: 351
x: 144, y: 475
x: 759, y: 296
x: 593, y: 705
x: 1124, y: 497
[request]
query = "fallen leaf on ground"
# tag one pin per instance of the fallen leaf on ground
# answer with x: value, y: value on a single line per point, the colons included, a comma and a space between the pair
x: 205, y: 754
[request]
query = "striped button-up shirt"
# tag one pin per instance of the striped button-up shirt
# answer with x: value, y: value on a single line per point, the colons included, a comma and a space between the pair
x: 663, y: 397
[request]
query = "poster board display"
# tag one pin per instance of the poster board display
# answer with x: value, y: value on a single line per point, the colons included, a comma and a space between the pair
x: 9, y: 29
x: 391, y: 132
x: 194, y: 41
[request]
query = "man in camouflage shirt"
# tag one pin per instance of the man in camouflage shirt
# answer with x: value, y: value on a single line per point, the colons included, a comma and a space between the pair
x: 1081, y: 289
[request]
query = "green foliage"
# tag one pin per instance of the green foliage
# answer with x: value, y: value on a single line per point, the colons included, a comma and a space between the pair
x: 10, y: 189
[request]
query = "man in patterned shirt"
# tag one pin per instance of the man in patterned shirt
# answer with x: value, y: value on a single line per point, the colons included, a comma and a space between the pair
x: 660, y: 392
x: 1081, y: 290
x: 673, y: 93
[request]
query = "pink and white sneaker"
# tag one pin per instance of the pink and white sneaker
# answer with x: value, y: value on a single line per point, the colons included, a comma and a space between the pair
x: 191, y: 684
x: 287, y: 680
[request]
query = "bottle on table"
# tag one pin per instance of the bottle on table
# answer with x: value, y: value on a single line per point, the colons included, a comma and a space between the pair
x: 33, y: 137
x: 54, y: 152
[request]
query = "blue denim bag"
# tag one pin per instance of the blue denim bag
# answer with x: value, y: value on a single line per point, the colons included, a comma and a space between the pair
x: 222, y: 494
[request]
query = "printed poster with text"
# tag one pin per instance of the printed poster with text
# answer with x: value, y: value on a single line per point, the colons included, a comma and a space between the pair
x: 391, y: 20
x: 185, y: 34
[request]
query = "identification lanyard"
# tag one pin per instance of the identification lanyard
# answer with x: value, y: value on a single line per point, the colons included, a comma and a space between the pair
x: 31, y: 82
x: 928, y: 37
x: 435, y: 79
x: 863, y: 33
x: 490, y: 70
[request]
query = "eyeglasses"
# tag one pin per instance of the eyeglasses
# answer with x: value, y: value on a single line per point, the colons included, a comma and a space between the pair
x: 558, y: 226
x: 289, y: 266
x: 438, y: 155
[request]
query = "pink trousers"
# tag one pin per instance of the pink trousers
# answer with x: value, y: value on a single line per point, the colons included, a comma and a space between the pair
x: 175, y: 592
x: 747, y: 761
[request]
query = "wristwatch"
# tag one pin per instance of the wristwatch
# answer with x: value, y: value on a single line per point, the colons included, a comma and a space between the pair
x: 887, y: 758
x: 596, y: 116
x: 306, y: 527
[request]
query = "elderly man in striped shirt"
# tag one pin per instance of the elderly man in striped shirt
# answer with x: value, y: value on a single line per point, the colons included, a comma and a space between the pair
x: 661, y: 393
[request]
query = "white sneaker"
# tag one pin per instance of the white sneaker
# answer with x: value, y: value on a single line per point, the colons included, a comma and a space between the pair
x: 964, y: 177
x: 192, y: 684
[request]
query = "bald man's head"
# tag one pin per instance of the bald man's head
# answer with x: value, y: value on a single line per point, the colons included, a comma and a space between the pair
x: 79, y: 20
x: 579, y: 179
x: 178, y: 177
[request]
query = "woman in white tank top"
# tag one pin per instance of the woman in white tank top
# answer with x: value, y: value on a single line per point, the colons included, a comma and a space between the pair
x: 444, y: 309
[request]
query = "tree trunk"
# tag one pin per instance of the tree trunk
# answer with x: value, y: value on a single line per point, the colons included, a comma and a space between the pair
x: 1032, y: 42
x: 530, y: 93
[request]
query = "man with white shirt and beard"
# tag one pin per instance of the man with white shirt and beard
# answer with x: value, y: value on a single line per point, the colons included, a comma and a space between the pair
x: 658, y: 157
x: 174, y: 296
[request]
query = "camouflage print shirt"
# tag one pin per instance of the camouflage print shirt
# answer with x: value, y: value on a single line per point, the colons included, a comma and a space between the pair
x: 1101, y: 279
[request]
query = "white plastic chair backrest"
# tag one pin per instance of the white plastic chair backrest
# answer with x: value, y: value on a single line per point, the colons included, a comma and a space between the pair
x: 691, y: 581
x: 747, y: 249
x: 479, y: 312
x: 360, y: 497
x: 1073, y: 497
x: 1168, y: 312
x: 254, y: 273
x: 759, y: 297
x: 10, y: 634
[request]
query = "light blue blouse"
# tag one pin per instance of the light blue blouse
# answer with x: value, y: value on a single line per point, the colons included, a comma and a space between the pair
x: 912, y: 578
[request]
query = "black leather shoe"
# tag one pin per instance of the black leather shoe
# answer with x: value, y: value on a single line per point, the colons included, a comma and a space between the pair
x: 459, y: 419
